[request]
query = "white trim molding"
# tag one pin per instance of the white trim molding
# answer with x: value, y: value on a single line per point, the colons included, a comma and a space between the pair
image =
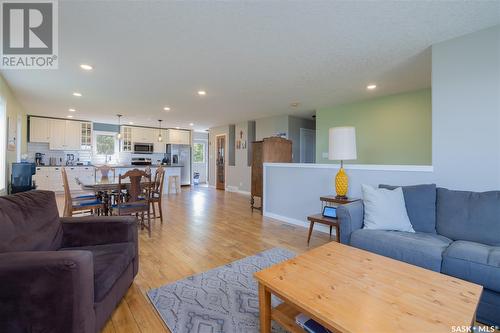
x: 372, y: 167
x: 305, y: 224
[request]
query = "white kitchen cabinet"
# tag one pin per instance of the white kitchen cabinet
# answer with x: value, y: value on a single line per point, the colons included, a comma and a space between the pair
x: 126, y: 138
x: 73, y: 135
x: 143, y: 135
x: 41, y: 178
x: 179, y: 137
x: 50, y: 178
x: 39, y: 129
x: 86, y: 136
x: 57, y: 130
x: 160, y: 146
x: 64, y: 134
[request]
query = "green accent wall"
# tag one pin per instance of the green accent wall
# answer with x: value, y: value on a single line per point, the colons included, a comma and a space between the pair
x: 394, y: 129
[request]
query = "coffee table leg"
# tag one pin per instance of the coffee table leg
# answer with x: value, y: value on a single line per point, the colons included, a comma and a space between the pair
x: 311, y: 226
x: 264, y: 309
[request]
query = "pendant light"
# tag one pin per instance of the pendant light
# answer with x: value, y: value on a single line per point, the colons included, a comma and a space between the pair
x: 119, y: 135
x: 160, y: 138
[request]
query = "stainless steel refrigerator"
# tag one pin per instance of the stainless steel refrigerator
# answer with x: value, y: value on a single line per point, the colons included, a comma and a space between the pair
x: 181, y: 155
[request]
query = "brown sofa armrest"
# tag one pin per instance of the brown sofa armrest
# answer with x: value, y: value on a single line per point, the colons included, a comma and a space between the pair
x: 47, y: 291
x: 90, y: 230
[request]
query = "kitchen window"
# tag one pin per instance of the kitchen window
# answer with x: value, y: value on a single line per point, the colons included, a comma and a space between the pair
x: 105, y: 146
x: 199, y: 153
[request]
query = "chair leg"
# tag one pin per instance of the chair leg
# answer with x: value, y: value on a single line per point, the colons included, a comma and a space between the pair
x: 152, y: 203
x: 149, y: 224
x: 161, y: 212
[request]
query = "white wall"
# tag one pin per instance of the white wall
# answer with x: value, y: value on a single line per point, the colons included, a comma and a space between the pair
x: 465, y: 136
x: 238, y: 176
x: 466, y: 111
x: 270, y: 126
x: 292, y: 190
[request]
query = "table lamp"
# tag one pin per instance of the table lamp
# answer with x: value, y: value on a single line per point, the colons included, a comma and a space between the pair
x: 342, y: 146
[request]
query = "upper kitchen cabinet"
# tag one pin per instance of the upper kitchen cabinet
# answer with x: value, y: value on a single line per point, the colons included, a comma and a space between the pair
x: 86, y: 135
x: 39, y: 129
x: 179, y: 137
x: 64, y: 134
x: 61, y: 134
x: 143, y: 135
x: 160, y: 146
x: 126, y: 138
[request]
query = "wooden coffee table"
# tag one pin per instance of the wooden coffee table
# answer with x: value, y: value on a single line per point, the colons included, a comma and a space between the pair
x: 351, y: 290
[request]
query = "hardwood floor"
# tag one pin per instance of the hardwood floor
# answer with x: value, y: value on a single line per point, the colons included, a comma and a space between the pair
x: 203, y: 228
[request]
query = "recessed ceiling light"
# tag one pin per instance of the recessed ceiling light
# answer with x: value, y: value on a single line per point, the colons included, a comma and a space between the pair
x: 371, y: 86
x: 294, y: 104
x: 86, y: 67
x: 166, y: 108
x: 177, y: 127
x: 77, y: 94
x: 71, y: 110
x: 130, y: 122
x: 70, y: 116
x: 202, y: 92
x: 191, y: 124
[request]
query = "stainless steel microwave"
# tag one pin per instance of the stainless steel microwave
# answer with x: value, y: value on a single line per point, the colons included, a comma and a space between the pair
x: 143, y: 148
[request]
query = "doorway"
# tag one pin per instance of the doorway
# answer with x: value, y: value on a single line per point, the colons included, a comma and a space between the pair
x: 220, y: 162
x: 307, y: 145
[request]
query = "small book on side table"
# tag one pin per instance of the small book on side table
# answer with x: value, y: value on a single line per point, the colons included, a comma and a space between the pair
x: 310, y: 325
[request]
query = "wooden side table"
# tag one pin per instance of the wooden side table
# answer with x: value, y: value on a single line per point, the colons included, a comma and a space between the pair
x: 331, y: 200
x: 319, y: 218
x: 328, y: 200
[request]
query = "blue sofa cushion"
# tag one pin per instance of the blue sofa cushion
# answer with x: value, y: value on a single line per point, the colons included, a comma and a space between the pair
x: 474, y: 262
x: 421, y: 249
x: 470, y: 216
x: 420, y: 201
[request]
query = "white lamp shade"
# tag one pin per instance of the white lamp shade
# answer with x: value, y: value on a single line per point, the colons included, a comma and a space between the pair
x: 342, y: 143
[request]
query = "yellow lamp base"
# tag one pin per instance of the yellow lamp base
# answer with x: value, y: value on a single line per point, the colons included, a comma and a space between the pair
x: 341, y: 184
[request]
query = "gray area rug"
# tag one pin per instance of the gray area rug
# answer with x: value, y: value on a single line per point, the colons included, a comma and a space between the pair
x: 224, y: 299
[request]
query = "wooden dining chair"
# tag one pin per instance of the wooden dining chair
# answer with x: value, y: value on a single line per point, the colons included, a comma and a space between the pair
x: 104, y: 171
x: 78, y: 205
x: 137, y: 199
x: 157, y: 192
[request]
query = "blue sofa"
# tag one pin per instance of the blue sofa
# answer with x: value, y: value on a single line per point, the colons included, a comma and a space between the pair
x: 456, y: 233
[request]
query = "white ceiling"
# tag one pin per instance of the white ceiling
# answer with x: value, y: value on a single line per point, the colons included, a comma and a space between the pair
x: 252, y: 58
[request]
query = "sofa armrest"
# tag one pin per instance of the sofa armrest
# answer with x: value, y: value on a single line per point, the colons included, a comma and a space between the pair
x: 47, y: 291
x: 351, y: 218
x: 91, y: 230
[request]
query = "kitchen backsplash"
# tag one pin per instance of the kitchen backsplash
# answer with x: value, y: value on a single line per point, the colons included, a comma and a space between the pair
x: 60, y: 155
x: 83, y: 156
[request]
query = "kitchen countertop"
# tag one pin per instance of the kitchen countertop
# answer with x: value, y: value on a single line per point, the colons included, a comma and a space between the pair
x: 120, y: 166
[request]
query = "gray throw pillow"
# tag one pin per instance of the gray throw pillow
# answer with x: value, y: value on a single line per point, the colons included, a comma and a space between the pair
x: 420, y: 201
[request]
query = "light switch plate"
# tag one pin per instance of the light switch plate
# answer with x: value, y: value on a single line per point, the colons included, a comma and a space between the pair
x: 325, y: 155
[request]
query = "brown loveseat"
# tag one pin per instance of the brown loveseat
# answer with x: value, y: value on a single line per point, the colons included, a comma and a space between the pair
x: 61, y: 274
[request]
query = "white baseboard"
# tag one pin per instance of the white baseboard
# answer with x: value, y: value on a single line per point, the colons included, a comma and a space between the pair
x: 305, y: 224
x: 235, y: 189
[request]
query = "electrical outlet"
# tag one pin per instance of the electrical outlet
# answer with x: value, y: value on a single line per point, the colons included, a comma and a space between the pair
x: 325, y: 155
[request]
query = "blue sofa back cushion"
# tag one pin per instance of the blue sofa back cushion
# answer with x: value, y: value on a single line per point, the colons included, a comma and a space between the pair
x: 420, y: 201
x: 470, y: 216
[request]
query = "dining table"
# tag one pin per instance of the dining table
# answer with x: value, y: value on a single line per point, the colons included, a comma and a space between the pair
x: 106, y: 188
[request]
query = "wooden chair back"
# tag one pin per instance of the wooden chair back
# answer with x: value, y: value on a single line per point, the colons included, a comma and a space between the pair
x: 157, y: 186
x: 104, y: 170
x: 68, y: 202
x: 135, y: 191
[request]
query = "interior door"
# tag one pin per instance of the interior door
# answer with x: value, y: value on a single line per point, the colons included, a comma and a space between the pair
x: 220, y: 182
x: 307, y: 145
